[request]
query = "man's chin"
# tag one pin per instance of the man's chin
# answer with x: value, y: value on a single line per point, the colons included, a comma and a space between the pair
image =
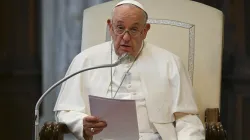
x: 123, y: 52
x: 129, y: 59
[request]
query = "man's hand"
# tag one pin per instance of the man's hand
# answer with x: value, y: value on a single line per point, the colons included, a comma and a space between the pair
x: 92, y: 125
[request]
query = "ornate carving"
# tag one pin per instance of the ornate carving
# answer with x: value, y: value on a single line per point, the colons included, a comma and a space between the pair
x: 53, y: 131
x: 213, y: 126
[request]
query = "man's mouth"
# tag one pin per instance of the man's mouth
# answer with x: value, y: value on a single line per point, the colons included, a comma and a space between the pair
x: 126, y: 48
x: 125, y: 45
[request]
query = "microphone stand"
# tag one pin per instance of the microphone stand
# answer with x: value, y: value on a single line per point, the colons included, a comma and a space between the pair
x: 120, y: 60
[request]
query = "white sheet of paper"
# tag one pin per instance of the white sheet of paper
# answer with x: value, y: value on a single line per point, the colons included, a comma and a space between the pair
x: 120, y: 115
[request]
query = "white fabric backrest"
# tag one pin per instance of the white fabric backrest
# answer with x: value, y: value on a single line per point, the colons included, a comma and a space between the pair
x: 191, y: 30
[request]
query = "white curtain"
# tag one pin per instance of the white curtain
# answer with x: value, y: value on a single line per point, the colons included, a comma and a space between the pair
x: 61, y: 41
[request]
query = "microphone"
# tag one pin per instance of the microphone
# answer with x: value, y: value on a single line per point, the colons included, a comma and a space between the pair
x: 120, y: 60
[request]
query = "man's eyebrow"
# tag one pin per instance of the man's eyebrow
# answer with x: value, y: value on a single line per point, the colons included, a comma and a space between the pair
x: 119, y: 22
x: 137, y: 23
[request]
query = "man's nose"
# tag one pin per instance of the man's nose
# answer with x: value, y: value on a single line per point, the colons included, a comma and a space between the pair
x: 126, y: 36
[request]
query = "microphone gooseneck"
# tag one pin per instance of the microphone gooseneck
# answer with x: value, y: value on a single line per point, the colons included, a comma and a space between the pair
x: 120, y: 60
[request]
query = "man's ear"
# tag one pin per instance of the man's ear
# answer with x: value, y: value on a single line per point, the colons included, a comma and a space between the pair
x: 109, y: 23
x: 146, y: 29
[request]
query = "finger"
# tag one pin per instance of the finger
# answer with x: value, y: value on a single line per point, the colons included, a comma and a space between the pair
x: 95, y: 125
x: 94, y: 131
x: 90, y: 119
x: 101, y: 120
x: 97, y: 131
x: 88, y: 133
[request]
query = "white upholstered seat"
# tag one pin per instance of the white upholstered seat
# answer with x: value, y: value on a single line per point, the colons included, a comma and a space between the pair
x: 191, y: 30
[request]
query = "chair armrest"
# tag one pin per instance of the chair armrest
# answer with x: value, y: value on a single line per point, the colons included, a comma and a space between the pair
x: 214, y: 128
x: 53, y: 131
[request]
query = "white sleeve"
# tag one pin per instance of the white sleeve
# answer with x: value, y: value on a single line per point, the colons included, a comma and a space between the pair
x: 73, y: 94
x: 74, y: 121
x: 183, y: 93
x: 190, y: 127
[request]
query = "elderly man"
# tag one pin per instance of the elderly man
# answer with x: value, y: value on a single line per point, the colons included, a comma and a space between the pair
x: 152, y: 76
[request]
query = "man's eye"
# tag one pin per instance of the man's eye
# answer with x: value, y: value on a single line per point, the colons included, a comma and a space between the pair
x: 120, y: 27
x: 134, y: 29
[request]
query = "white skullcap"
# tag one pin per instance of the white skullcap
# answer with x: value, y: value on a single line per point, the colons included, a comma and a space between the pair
x: 133, y: 2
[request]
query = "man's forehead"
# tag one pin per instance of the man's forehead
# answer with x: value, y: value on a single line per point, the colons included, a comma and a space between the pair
x: 127, y: 9
x: 133, y: 18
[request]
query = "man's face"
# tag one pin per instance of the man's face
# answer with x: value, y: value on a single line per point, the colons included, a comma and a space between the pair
x: 128, y: 29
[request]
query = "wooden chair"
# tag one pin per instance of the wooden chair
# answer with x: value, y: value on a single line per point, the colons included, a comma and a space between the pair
x: 191, y: 30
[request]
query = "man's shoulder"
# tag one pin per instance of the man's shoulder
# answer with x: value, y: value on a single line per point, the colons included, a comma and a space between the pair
x: 162, y: 55
x: 160, y: 51
x: 98, y: 50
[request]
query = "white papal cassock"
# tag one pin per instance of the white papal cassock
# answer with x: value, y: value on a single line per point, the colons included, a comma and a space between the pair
x: 157, y: 81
